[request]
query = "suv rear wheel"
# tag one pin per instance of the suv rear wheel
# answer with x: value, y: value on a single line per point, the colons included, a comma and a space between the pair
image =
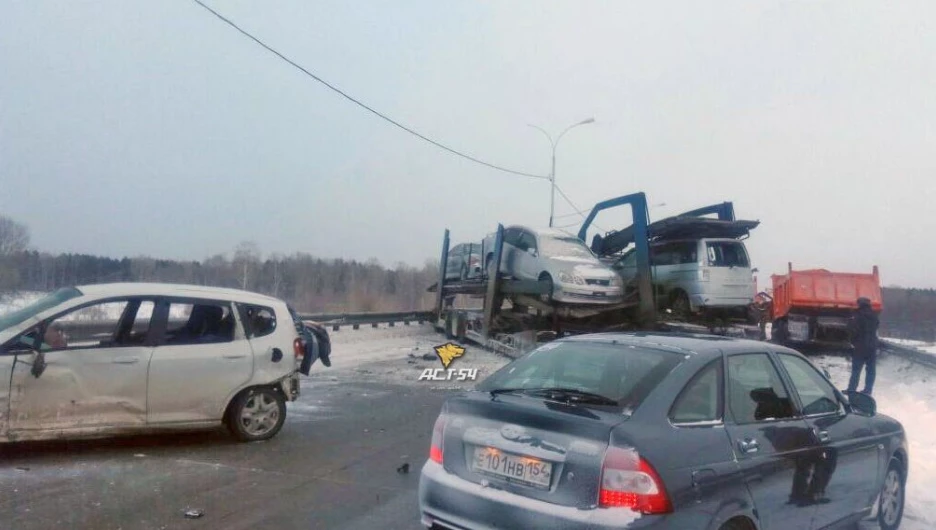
x: 257, y: 414
x: 679, y: 304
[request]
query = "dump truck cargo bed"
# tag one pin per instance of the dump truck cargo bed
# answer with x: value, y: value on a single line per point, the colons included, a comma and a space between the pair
x: 819, y: 291
x: 815, y: 305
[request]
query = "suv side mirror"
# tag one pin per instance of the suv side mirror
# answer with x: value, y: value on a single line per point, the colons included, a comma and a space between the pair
x: 532, y: 252
x: 861, y: 403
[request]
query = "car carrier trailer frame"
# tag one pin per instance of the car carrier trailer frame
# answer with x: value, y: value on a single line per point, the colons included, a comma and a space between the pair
x: 528, y: 319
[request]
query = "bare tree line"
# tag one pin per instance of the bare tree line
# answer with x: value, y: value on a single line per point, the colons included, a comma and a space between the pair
x: 310, y: 284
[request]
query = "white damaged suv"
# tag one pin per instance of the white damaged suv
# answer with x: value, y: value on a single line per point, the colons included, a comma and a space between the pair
x: 118, y: 358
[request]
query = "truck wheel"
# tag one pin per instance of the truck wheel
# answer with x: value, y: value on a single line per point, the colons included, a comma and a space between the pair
x: 257, y: 414
x: 680, y: 305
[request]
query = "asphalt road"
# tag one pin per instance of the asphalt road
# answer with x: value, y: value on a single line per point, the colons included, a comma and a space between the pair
x: 333, y: 466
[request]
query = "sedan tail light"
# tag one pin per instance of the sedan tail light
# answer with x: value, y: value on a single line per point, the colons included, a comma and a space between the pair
x: 629, y: 481
x: 438, y: 430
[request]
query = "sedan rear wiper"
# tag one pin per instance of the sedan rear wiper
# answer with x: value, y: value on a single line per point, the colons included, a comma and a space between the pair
x: 569, y: 393
x: 579, y: 395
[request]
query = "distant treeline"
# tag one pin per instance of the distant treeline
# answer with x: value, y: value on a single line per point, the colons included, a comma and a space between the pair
x: 310, y: 284
x: 909, y: 314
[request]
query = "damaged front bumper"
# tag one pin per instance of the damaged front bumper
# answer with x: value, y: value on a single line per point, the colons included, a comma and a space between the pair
x: 588, y: 294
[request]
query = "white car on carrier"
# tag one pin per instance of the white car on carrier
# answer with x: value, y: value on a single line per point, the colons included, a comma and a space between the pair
x: 119, y: 358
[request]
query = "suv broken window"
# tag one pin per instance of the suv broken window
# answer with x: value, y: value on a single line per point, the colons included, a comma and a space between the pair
x: 726, y: 254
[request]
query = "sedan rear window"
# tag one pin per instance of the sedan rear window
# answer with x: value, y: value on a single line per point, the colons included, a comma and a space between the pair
x: 623, y: 374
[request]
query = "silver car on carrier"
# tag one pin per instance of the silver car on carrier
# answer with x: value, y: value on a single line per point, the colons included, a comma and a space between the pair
x: 576, y: 275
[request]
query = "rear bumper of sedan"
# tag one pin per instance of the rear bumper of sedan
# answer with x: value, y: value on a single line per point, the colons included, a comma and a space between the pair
x: 449, y: 502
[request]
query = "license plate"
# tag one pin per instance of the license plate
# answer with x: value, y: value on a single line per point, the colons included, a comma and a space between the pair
x: 799, y: 330
x: 514, y: 468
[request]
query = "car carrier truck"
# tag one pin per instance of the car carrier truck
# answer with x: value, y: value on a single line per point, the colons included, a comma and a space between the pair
x: 512, y: 315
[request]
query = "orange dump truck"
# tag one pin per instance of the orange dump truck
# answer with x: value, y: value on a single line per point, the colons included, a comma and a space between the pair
x: 814, y: 306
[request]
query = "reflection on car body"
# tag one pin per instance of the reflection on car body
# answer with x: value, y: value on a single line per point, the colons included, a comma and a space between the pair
x: 571, y: 268
x: 123, y: 357
x: 658, y: 431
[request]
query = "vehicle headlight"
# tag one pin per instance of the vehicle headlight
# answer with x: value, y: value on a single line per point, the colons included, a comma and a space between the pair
x: 565, y: 277
x: 617, y: 281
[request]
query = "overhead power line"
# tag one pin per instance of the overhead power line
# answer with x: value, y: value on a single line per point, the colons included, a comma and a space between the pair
x: 362, y: 105
x: 563, y: 216
x: 574, y: 207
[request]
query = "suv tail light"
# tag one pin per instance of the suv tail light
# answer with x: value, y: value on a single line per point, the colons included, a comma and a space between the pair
x: 298, y: 348
x: 435, y: 450
x: 629, y: 481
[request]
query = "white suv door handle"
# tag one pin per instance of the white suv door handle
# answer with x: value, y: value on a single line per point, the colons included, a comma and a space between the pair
x: 234, y: 356
x: 126, y: 360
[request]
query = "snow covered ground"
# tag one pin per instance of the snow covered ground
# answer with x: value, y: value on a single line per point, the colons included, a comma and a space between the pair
x: 13, y: 301
x: 109, y: 311
x: 903, y: 390
x: 927, y: 347
x: 907, y: 392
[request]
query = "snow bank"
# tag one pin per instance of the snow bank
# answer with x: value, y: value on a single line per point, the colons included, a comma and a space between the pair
x: 14, y: 301
x: 925, y: 347
x: 906, y: 392
x: 109, y: 311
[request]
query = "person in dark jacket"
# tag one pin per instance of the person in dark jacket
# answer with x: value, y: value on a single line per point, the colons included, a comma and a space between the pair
x: 864, y: 326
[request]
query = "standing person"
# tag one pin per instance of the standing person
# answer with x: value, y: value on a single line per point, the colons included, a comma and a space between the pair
x: 864, y: 326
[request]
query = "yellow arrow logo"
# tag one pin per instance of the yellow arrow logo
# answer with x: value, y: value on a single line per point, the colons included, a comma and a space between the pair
x: 448, y: 353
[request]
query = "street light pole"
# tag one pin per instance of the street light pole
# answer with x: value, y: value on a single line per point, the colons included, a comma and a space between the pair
x: 552, y: 172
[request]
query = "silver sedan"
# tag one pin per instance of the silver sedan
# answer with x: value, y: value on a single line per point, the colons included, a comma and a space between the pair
x: 575, y: 273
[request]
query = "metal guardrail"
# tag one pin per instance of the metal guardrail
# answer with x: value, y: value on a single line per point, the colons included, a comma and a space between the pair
x: 355, y: 320
x: 334, y: 320
x: 908, y: 353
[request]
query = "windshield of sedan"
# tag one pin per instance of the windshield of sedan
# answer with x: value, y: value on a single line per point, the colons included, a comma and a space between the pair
x: 565, y: 247
x: 19, y: 316
x: 622, y: 374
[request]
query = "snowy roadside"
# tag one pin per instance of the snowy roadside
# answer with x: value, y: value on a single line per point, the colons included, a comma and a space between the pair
x: 907, y: 392
x: 10, y: 302
x: 399, y: 356
x: 927, y: 347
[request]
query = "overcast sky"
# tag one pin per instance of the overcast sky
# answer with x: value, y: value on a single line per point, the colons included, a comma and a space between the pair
x: 132, y: 127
